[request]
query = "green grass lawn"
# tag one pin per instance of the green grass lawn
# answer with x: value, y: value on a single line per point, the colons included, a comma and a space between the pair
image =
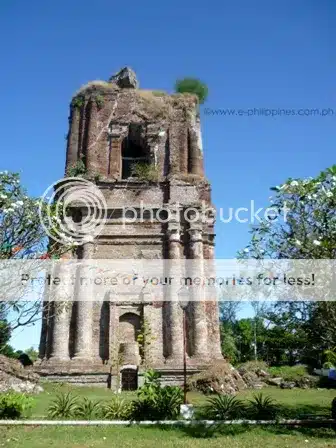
x: 296, y: 401
x: 136, y: 437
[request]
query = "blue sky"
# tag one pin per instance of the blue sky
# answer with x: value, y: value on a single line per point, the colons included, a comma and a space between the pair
x: 260, y: 54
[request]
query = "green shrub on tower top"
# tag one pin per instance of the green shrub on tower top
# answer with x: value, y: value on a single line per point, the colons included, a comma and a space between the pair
x: 192, y: 85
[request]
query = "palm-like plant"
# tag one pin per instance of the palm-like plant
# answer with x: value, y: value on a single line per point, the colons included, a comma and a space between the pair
x: 168, y: 402
x: 262, y: 407
x: 224, y: 407
x: 87, y: 409
x: 63, y: 406
x: 157, y: 403
x: 117, y: 409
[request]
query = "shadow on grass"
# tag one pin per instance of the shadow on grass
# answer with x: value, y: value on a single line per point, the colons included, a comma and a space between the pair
x: 283, y: 411
x: 199, y: 430
x: 207, y: 432
x: 303, y: 411
x: 202, y: 431
x: 317, y: 432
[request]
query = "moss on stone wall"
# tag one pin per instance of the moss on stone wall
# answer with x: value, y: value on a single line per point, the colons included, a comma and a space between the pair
x: 96, y: 86
x: 155, y: 102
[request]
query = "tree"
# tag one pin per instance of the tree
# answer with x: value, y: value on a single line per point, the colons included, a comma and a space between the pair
x: 242, y: 339
x: 9, y: 351
x: 249, y: 331
x: 192, y: 85
x: 32, y: 353
x: 5, y: 331
x: 321, y: 327
x: 306, y: 231
x: 228, y: 343
x: 23, y: 237
x: 228, y: 310
x: 286, y: 340
x: 228, y: 316
x: 259, y: 309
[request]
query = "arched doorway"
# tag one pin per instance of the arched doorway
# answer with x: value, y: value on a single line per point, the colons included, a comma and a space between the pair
x: 129, y: 379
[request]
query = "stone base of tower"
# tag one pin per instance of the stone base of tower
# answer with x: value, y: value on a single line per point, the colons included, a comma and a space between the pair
x: 101, y: 375
x: 72, y: 372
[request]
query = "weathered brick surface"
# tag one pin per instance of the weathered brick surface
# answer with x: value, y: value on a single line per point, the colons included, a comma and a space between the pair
x: 90, y: 338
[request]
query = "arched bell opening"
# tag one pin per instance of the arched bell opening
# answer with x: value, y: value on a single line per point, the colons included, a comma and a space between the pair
x: 129, y: 327
x: 134, y: 150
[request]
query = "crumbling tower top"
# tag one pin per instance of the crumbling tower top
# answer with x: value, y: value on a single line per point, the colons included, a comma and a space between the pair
x: 125, y: 79
x: 115, y: 124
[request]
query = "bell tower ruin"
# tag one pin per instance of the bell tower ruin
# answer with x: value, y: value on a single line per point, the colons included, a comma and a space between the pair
x: 140, y: 147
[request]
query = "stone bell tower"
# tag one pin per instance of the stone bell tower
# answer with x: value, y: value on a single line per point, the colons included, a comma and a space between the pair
x: 115, y: 126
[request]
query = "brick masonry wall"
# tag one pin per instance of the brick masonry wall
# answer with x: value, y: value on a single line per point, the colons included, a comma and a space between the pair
x: 100, y: 116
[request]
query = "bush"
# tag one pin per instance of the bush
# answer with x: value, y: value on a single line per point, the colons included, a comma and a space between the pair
x: 99, y: 99
x: 87, y: 409
x: 254, y: 366
x: 117, y: 409
x: 156, y: 402
x: 330, y: 356
x: 262, y: 408
x: 164, y: 405
x: 25, y: 360
x: 63, y: 406
x: 13, y: 405
x: 145, y: 171
x: 192, y: 85
x: 328, y: 365
x: 289, y: 373
x: 78, y: 101
x: 224, y: 407
x: 295, y: 374
x: 151, y: 385
x: 77, y: 170
x: 168, y: 402
x: 143, y: 410
x: 333, y: 409
x: 325, y: 382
